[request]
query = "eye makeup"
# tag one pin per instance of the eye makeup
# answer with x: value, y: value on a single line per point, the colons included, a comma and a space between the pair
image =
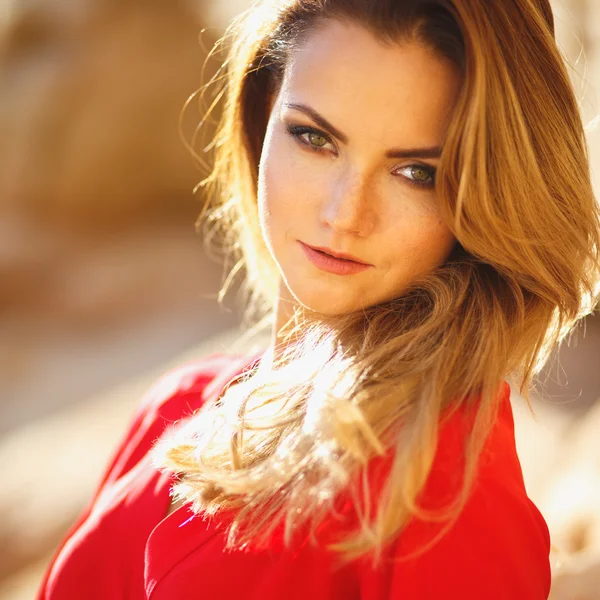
x: 302, y: 133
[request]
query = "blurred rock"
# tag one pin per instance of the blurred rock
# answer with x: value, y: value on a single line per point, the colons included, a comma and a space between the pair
x: 73, y: 323
x: 97, y: 208
x: 90, y: 96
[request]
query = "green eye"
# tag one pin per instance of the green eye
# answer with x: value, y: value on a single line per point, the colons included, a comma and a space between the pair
x: 420, y: 174
x: 316, y: 140
x: 309, y: 137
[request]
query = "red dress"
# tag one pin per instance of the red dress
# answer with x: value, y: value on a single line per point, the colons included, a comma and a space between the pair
x: 123, y: 547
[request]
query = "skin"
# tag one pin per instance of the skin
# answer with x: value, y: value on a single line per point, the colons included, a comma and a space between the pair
x: 349, y: 196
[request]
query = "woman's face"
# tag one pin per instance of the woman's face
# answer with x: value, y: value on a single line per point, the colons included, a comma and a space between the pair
x: 348, y: 163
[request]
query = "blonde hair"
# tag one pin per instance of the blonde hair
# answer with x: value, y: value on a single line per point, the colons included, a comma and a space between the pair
x: 514, y: 187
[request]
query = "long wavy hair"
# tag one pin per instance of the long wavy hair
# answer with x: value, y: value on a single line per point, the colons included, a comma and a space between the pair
x: 514, y: 187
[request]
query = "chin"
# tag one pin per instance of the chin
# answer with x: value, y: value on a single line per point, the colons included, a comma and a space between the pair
x: 323, y: 303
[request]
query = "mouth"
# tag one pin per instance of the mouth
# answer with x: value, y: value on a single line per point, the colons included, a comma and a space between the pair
x: 337, y: 255
x: 332, y: 264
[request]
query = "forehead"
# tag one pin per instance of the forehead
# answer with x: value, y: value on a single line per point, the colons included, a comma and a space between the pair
x: 350, y: 77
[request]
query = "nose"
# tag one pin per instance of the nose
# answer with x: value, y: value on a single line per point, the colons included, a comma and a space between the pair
x: 349, y: 205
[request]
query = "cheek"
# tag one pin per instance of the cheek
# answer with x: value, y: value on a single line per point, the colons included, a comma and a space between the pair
x: 282, y: 191
x: 442, y: 238
x: 421, y: 246
x: 273, y: 195
x: 437, y: 244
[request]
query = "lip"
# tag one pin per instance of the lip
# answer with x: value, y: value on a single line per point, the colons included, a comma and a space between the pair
x: 341, y: 255
x: 330, y: 264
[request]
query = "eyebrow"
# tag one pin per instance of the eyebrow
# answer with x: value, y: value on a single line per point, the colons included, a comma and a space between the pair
x: 432, y: 152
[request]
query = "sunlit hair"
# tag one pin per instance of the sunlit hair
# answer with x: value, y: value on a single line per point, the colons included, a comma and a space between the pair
x: 514, y: 187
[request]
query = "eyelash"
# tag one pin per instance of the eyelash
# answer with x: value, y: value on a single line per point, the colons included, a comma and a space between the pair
x: 296, y: 131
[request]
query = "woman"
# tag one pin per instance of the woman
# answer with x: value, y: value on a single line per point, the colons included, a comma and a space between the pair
x: 407, y: 185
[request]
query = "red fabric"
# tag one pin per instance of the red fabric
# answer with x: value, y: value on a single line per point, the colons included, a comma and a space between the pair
x: 122, y: 547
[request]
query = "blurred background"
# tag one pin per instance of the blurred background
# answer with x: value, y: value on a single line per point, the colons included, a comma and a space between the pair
x: 106, y: 284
